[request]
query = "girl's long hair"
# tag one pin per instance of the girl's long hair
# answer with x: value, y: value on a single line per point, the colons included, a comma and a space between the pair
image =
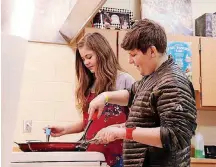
x: 105, y: 75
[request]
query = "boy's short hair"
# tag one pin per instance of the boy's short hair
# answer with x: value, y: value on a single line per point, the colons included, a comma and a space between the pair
x: 145, y: 33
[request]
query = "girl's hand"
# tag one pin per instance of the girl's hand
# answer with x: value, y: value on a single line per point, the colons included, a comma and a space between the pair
x: 56, y: 131
x: 97, y: 104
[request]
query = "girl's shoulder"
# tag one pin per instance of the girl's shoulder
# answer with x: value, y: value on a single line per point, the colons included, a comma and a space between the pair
x: 124, y: 80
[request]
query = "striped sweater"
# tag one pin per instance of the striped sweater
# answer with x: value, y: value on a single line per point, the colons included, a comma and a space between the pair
x: 163, y: 99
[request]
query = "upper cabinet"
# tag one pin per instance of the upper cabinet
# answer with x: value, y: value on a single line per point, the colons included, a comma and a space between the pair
x: 123, y: 58
x: 195, y: 56
x: 208, y: 71
x: 203, y: 69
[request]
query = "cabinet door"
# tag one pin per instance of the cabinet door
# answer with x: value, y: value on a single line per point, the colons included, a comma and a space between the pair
x: 110, y: 35
x: 195, y: 56
x: 123, y: 58
x: 208, y: 71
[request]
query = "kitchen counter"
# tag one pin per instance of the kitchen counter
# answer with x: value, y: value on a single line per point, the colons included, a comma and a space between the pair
x: 195, y: 162
x: 203, y: 162
x: 57, y: 159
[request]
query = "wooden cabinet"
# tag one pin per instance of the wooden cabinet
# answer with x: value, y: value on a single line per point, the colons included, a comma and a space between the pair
x: 203, y: 69
x: 123, y: 58
x: 194, y: 41
x: 208, y: 71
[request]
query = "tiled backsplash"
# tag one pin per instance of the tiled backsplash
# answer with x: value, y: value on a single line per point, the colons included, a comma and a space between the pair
x: 47, y: 92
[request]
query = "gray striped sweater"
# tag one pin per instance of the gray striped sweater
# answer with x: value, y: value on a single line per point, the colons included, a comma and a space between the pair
x: 163, y: 99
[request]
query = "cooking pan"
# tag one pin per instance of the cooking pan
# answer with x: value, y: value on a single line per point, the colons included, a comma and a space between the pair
x: 48, y: 146
x: 53, y: 146
x: 24, y: 146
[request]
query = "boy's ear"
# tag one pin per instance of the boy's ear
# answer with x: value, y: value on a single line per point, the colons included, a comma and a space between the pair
x: 153, y: 51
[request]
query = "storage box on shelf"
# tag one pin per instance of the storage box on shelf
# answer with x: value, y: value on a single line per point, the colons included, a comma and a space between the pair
x: 205, y: 25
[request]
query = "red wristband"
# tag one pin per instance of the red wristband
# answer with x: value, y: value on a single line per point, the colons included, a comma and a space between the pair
x: 129, y: 132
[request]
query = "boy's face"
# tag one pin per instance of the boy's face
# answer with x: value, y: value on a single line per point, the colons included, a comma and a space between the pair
x: 146, y: 63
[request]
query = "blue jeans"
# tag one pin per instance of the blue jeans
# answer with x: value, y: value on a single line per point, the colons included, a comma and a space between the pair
x: 119, y: 163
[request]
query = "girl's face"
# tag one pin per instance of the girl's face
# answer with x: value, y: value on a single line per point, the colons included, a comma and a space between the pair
x: 89, y: 58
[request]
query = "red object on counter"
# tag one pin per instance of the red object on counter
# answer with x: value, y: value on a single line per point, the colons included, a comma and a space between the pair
x: 53, y: 146
x: 48, y: 146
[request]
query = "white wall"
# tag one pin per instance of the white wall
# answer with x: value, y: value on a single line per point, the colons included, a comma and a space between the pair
x: 47, y: 91
x: 199, y: 7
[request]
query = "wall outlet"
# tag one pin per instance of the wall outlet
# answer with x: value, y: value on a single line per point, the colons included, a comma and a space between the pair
x: 27, y: 126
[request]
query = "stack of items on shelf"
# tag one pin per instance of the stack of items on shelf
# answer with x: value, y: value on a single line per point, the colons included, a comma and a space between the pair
x: 205, y: 25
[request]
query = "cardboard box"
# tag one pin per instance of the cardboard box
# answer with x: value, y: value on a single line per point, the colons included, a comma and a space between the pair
x: 205, y: 25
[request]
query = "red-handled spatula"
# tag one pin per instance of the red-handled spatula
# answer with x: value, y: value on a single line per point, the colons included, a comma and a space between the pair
x: 84, y: 143
x: 94, y: 117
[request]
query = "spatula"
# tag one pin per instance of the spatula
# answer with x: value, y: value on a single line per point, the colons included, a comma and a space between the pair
x: 83, y: 141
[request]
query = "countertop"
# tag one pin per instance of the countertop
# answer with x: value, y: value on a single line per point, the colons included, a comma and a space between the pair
x: 203, y: 160
x: 193, y: 160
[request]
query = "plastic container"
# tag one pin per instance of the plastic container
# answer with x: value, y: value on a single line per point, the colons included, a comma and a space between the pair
x: 199, y: 146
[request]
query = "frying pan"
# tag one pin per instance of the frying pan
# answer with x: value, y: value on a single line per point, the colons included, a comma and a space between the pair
x: 48, y: 146
x: 52, y: 146
x: 58, y: 146
x: 24, y: 146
